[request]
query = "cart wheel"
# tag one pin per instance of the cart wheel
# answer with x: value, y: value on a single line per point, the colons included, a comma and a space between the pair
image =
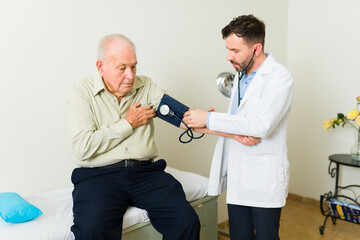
x: 321, y: 229
x: 333, y: 220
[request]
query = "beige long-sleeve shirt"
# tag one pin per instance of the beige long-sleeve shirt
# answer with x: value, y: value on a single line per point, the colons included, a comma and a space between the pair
x: 99, y: 133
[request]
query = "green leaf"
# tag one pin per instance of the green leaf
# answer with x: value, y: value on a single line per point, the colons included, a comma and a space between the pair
x: 341, y: 116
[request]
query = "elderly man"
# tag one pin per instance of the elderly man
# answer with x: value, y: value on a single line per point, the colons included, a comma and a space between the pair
x: 111, y: 129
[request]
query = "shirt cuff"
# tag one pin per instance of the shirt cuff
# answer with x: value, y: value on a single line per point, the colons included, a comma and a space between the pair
x: 208, y: 120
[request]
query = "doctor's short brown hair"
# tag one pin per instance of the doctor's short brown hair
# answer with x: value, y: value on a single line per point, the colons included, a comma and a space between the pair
x: 248, y: 27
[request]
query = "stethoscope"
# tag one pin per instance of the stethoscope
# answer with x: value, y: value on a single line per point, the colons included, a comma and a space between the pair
x: 165, y: 110
x: 241, y: 74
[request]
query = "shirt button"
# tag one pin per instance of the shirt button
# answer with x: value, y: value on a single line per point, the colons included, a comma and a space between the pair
x: 114, y: 101
x: 126, y: 149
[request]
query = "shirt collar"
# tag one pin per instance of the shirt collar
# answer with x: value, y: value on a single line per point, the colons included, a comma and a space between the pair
x: 98, y: 84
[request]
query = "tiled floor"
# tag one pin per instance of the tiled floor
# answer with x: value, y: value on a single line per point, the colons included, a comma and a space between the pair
x: 301, y: 221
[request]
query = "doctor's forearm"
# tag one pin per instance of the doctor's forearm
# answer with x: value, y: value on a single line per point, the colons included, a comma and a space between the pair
x: 208, y: 131
x: 245, y: 140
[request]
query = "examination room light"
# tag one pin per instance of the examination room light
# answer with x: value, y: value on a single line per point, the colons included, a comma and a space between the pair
x: 225, y: 82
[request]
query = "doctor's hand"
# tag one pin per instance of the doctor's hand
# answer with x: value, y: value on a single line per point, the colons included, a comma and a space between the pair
x: 138, y: 116
x: 182, y: 125
x: 247, y: 140
x: 195, y: 118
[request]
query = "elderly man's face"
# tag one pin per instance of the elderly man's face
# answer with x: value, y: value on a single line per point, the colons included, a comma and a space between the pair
x: 118, y: 69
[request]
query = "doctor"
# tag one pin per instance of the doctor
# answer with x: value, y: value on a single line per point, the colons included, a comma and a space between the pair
x: 256, y: 176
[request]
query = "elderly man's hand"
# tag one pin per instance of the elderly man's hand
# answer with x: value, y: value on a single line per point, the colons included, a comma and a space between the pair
x: 195, y: 118
x: 138, y: 116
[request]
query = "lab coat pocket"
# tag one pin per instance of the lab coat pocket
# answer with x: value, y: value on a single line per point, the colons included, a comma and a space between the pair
x: 258, y: 173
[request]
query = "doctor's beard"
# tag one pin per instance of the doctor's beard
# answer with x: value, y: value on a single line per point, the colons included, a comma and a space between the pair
x: 237, y: 66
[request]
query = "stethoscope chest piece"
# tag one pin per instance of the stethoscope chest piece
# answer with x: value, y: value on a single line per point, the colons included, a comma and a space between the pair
x: 164, y: 109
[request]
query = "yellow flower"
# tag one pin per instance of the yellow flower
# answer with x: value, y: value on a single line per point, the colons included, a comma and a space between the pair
x: 327, y: 124
x: 352, y: 115
x: 358, y: 121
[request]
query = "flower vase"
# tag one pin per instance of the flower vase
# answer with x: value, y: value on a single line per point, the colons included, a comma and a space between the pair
x: 355, y: 150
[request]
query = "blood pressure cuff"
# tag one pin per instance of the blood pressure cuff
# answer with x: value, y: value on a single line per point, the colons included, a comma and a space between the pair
x: 177, y: 107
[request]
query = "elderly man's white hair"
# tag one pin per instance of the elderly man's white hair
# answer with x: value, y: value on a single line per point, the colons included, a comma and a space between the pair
x: 110, y: 38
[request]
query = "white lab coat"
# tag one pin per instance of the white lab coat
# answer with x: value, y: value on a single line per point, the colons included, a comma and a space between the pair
x: 257, y: 175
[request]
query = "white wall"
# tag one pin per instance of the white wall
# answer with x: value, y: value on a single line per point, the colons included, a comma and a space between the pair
x: 323, y: 50
x: 48, y: 45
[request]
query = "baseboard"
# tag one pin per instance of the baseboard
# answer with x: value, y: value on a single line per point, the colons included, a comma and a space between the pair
x: 224, y: 225
x: 223, y: 228
x: 306, y: 200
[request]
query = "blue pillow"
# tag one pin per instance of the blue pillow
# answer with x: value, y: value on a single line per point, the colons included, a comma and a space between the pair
x: 15, y: 209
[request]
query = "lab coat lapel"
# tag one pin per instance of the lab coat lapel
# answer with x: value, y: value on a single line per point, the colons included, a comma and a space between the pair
x: 255, y: 83
x: 233, y: 91
x: 258, y: 79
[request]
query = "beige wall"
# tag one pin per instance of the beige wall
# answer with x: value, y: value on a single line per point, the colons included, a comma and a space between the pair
x: 48, y: 45
x: 323, y: 50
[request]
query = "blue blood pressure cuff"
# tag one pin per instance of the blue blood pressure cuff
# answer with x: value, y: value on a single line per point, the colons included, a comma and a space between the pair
x: 171, y: 110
